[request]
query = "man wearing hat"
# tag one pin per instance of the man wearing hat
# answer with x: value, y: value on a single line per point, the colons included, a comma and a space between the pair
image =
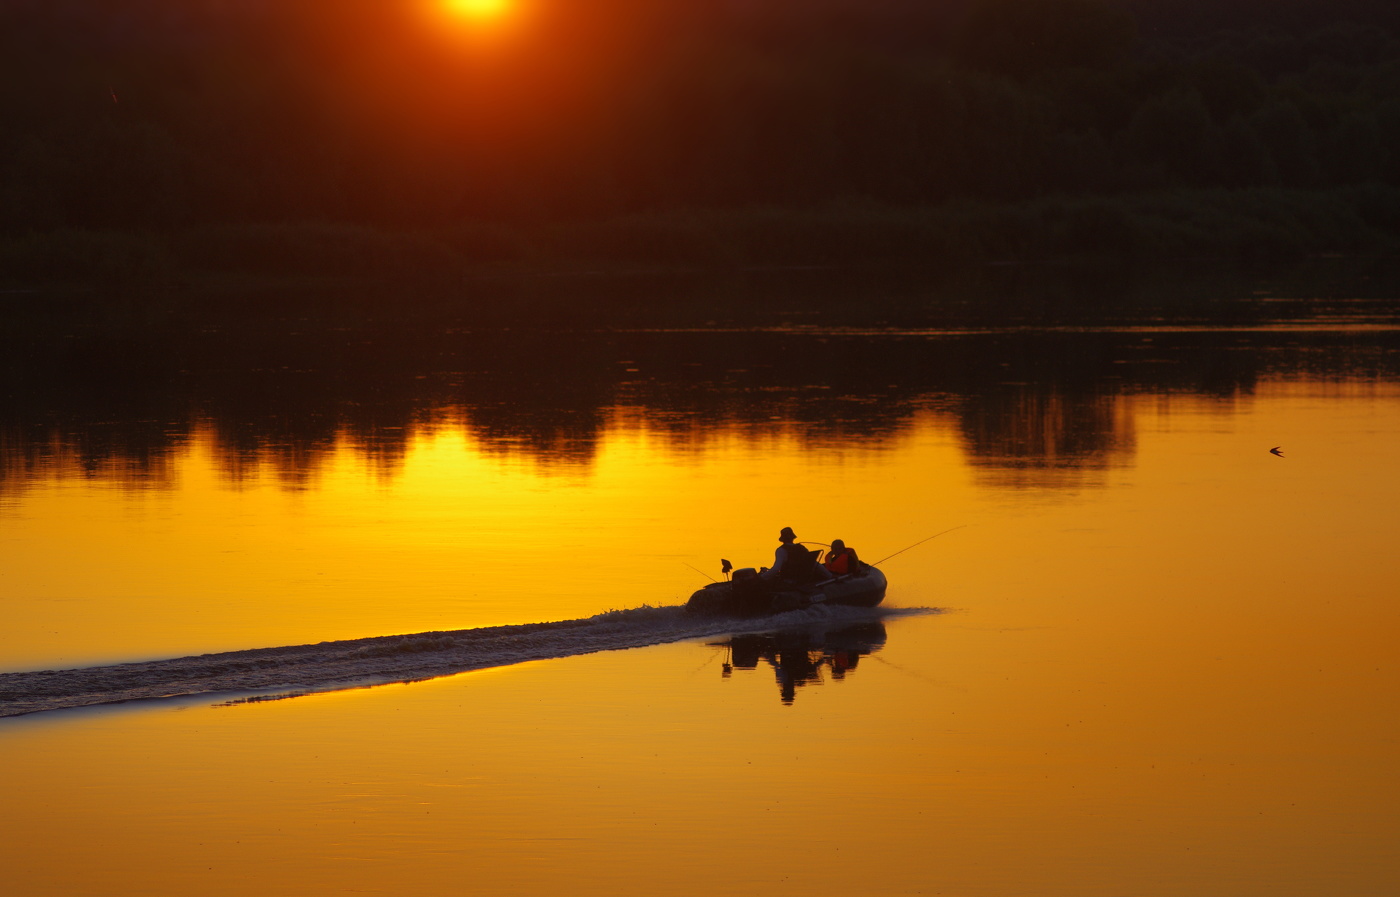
x: 791, y: 561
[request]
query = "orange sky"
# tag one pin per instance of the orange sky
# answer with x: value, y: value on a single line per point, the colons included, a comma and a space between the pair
x: 521, y: 73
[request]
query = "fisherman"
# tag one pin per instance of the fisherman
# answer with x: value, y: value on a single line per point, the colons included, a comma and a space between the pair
x: 791, y: 561
x: 841, y: 560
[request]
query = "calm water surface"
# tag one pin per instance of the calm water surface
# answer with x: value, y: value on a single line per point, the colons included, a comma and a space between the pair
x: 1164, y: 662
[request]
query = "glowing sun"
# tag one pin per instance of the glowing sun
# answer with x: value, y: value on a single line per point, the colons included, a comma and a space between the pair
x: 478, y: 9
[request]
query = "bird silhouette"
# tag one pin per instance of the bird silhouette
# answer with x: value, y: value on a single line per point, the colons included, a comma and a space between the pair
x: 1277, y: 450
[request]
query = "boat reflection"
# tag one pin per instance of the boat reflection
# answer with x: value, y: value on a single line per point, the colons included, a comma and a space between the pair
x: 799, y: 656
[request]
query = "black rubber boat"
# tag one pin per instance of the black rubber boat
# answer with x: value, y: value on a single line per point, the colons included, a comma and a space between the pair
x: 748, y: 595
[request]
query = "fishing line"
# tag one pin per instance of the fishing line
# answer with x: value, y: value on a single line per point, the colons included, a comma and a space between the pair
x: 717, y: 653
x: 906, y: 671
x: 701, y: 572
x: 917, y: 544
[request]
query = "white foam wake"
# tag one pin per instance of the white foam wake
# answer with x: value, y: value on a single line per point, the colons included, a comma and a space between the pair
x: 395, y: 658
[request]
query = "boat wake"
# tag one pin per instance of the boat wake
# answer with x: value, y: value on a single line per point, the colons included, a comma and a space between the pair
x: 329, y: 666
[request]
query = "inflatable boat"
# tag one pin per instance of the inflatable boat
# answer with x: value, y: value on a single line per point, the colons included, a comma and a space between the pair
x: 749, y: 595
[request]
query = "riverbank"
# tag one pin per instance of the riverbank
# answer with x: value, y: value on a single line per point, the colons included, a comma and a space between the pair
x: 1238, y: 227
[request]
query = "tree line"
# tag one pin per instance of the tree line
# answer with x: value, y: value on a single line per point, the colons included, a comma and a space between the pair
x: 212, y: 132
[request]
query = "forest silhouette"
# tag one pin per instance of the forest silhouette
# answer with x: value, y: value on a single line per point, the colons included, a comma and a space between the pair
x: 153, y: 142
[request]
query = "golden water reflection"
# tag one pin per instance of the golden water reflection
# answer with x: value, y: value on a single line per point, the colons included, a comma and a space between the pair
x: 211, y: 550
x: 123, y: 408
x: 460, y: 535
x: 1164, y: 675
x: 982, y: 761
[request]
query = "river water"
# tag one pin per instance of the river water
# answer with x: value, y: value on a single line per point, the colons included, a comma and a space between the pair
x: 1153, y: 658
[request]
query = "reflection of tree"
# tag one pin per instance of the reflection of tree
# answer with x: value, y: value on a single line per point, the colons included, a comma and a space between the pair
x: 799, y: 656
x: 1042, y: 428
x: 119, y: 406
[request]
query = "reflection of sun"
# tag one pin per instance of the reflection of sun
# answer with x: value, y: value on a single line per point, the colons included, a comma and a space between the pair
x: 480, y: 9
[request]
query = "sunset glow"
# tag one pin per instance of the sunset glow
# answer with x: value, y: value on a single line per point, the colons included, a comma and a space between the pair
x: 699, y: 448
x: 478, y: 9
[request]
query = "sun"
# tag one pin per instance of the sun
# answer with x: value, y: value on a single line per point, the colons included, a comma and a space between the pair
x: 478, y: 9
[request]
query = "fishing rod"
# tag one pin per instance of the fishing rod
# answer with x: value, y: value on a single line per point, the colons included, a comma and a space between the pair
x: 917, y: 544
x: 701, y: 572
x: 843, y: 575
x: 899, y: 552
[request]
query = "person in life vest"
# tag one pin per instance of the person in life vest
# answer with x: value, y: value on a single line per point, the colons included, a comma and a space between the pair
x: 792, y: 562
x: 841, y: 560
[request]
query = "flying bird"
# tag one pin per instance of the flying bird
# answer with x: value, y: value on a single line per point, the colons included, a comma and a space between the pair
x: 1277, y: 450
